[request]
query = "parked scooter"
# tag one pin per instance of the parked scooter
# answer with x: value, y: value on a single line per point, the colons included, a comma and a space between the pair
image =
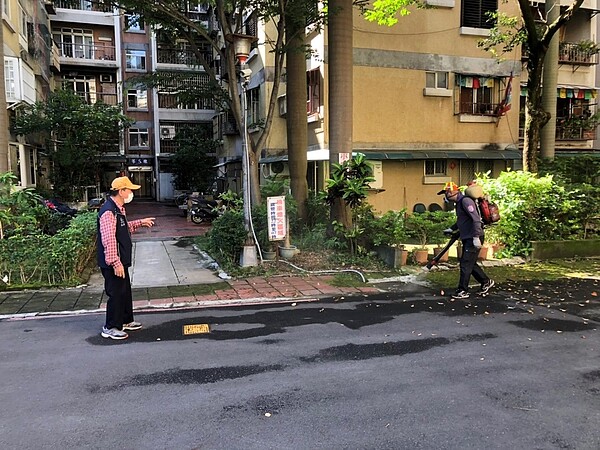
x: 203, y: 210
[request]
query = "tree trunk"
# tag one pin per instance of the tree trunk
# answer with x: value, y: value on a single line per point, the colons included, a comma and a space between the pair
x: 3, y: 110
x: 339, y: 50
x: 535, y: 116
x: 297, y: 133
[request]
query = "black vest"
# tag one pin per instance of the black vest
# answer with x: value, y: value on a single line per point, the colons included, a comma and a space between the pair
x: 124, y: 244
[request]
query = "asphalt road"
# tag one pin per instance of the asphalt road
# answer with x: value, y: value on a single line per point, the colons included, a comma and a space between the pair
x: 420, y: 373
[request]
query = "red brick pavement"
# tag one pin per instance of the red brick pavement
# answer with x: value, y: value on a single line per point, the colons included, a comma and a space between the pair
x: 170, y: 223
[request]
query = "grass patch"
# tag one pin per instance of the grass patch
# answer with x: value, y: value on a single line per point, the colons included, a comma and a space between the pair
x: 536, y: 271
x: 346, y: 280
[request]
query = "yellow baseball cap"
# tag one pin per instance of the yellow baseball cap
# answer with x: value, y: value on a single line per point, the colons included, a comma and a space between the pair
x: 449, y: 186
x: 123, y: 183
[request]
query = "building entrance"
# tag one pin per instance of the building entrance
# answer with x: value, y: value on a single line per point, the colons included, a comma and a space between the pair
x: 144, y: 179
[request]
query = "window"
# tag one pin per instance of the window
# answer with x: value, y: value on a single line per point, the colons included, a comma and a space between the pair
x: 82, y: 85
x: 478, y: 95
x: 133, y: 22
x: 23, y: 17
x: 313, y: 81
x: 475, y: 13
x: 10, y: 79
x: 6, y: 9
x: 135, y: 59
x: 435, y: 167
x: 75, y: 43
x: 138, y: 137
x: 137, y: 98
x: 252, y: 97
x: 436, y: 80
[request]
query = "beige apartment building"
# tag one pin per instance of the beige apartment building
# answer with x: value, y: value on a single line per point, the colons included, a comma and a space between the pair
x: 30, y: 64
x: 427, y: 101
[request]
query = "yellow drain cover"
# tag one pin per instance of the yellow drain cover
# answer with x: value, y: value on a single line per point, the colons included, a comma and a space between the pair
x: 198, y: 328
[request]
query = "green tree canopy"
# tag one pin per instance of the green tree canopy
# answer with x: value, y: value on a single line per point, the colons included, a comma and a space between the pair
x: 76, y: 134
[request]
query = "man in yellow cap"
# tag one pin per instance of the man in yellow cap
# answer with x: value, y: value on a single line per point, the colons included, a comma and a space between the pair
x: 469, y: 225
x: 115, y: 257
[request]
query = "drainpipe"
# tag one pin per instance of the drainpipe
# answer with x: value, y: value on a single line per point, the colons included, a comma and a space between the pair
x: 548, y: 133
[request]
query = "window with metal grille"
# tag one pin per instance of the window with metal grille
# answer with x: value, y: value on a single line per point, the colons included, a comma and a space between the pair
x: 313, y: 82
x: 252, y: 28
x: 253, y: 113
x: 435, y: 167
x: 475, y: 13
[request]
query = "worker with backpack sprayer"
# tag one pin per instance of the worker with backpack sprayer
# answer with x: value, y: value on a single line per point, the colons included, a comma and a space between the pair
x: 469, y: 229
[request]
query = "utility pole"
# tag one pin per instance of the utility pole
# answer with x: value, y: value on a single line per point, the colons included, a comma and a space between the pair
x: 550, y: 78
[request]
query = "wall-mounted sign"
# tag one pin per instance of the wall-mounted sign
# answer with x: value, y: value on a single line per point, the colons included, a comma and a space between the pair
x: 276, y: 218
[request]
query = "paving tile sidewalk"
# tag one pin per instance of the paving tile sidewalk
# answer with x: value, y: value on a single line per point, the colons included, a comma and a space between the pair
x: 232, y: 292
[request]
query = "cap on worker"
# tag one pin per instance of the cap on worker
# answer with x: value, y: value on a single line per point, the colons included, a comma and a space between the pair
x: 449, y: 186
x: 123, y: 183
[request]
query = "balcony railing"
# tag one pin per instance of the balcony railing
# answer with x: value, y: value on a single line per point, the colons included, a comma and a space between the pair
x: 87, y: 51
x: 574, y: 53
x: 94, y: 97
x: 83, y: 5
x: 170, y: 101
x: 180, y: 56
x: 478, y: 109
x: 568, y: 133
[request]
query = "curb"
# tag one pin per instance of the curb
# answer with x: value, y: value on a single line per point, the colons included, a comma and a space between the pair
x: 173, y: 306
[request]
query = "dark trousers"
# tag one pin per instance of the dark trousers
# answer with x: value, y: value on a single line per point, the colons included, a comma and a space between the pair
x: 119, y: 307
x: 469, y: 266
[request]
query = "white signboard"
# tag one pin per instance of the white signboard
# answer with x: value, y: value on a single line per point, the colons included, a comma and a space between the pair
x: 343, y: 157
x: 276, y: 218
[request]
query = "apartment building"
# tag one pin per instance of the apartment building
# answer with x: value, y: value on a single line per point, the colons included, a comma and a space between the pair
x: 577, y: 89
x: 104, y: 56
x: 30, y: 64
x: 427, y: 104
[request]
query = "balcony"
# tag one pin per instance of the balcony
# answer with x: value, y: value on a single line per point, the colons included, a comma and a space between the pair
x: 171, y: 101
x: 179, y: 56
x: 95, y: 97
x: 583, y: 53
x: 478, y: 109
x: 83, y: 5
x: 87, y: 54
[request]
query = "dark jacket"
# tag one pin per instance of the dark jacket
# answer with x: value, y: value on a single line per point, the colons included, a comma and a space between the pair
x: 124, y: 244
x: 468, y: 220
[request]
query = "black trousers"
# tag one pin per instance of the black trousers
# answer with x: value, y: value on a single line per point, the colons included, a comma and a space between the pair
x: 469, y: 266
x: 119, y: 307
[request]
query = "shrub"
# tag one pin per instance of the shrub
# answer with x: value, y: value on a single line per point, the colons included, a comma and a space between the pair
x: 226, y: 237
x: 35, y: 259
x: 531, y: 208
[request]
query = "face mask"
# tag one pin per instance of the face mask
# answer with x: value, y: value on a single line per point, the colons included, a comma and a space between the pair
x: 129, y: 198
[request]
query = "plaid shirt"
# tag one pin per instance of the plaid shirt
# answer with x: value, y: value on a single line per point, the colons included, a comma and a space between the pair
x: 108, y: 234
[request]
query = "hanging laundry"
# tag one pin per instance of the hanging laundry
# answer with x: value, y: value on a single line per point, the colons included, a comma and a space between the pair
x: 469, y: 82
x: 562, y: 93
x: 476, y: 84
x: 569, y: 93
x: 489, y: 83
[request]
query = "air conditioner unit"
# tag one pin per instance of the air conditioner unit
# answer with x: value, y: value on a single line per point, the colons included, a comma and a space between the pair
x: 106, y: 78
x: 167, y: 131
x: 279, y: 169
x: 377, y: 173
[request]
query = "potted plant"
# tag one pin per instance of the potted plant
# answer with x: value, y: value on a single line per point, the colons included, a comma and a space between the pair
x: 388, y: 233
x: 428, y: 228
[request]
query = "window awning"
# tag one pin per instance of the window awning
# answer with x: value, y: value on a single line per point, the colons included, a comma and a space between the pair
x: 570, y: 91
x: 467, y: 154
x: 323, y: 155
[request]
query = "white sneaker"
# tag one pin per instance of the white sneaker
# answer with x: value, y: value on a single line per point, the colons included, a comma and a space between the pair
x: 132, y: 326
x: 113, y: 333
